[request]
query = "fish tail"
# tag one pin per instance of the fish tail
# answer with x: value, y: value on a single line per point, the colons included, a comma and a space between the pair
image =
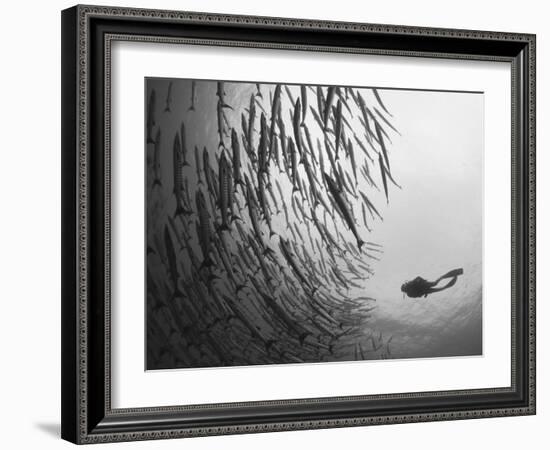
x: 239, y: 183
x: 191, y: 108
x: 271, y: 234
x: 157, y: 182
x: 236, y: 217
x: 150, y: 140
x: 177, y: 291
x: 211, y: 277
x: 360, y: 243
x: 179, y: 210
x: 231, y: 317
x: 207, y: 263
x: 167, y: 109
x: 268, y: 344
x: 223, y: 227
x: 185, y: 163
x: 303, y: 336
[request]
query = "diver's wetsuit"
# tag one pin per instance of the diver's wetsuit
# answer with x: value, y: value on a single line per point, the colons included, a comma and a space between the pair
x: 419, y: 287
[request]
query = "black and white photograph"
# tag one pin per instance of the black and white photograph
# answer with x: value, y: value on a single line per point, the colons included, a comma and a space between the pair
x: 284, y: 225
x: 292, y: 223
x: 277, y: 218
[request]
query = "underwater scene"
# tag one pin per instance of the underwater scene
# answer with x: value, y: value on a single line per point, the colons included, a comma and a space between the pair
x: 293, y: 223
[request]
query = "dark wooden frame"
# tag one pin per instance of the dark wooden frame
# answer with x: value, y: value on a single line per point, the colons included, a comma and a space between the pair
x: 87, y: 32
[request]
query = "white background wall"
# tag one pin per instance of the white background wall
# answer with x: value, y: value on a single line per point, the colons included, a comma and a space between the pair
x: 30, y: 223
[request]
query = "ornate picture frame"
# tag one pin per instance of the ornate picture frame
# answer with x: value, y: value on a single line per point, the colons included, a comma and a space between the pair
x: 87, y: 413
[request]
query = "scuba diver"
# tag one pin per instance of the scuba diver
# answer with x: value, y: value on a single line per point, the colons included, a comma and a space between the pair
x: 419, y: 287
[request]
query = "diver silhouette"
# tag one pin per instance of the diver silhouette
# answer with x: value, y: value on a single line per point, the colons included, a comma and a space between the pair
x: 419, y: 287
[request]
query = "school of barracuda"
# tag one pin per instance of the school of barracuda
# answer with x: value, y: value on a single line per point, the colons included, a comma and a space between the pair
x: 263, y: 256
